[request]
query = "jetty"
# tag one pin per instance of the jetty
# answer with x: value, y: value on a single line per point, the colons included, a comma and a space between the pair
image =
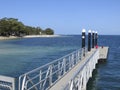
x: 70, y: 72
x: 78, y: 76
x: 103, y: 54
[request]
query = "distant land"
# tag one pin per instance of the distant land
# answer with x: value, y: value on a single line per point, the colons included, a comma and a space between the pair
x: 12, y: 28
x: 27, y: 36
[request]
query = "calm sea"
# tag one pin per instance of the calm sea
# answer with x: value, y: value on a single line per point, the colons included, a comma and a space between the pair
x: 21, y: 55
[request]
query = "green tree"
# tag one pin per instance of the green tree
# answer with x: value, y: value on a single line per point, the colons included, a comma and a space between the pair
x: 11, y: 26
x: 49, y: 31
x: 4, y: 27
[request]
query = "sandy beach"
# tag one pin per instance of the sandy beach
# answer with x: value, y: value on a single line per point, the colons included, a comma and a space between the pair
x: 27, y: 36
x: 33, y: 36
x: 10, y: 37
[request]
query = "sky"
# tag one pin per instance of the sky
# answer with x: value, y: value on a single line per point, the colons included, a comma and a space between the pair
x: 66, y: 16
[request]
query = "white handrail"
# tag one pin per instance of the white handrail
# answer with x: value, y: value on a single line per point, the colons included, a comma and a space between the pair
x: 7, y: 82
x: 46, y: 75
x: 83, y: 74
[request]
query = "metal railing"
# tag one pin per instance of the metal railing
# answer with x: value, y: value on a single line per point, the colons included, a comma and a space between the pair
x: 7, y: 83
x: 45, y: 76
x: 81, y: 77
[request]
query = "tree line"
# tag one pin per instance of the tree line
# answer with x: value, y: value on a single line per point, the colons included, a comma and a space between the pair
x: 13, y: 27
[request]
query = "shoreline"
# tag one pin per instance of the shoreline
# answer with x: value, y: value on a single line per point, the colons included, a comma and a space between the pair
x: 7, y: 38
x: 27, y: 36
x: 34, y: 36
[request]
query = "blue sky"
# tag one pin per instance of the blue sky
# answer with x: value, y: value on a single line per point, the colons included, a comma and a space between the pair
x: 66, y: 16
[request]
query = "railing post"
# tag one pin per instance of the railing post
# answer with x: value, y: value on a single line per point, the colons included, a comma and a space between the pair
x: 71, y: 85
x: 23, y: 83
x: 72, y: 61
x: 13, y: 85
x: 64, y: 61
x: 69, y: 62
x: 78, y: 56
x: 40, y: 77
x: 50, y: 76
x: 59, y: 69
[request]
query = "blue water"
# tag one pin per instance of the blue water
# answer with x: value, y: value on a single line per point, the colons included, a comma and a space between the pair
x: 18, y: 56
x: 21, y: 55
x: 107, y: 75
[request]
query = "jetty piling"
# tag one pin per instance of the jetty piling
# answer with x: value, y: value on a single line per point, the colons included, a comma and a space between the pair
x: 93, y: 37
x: 89, y: 40
x: 96, y: 38
x: 83, y: 41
